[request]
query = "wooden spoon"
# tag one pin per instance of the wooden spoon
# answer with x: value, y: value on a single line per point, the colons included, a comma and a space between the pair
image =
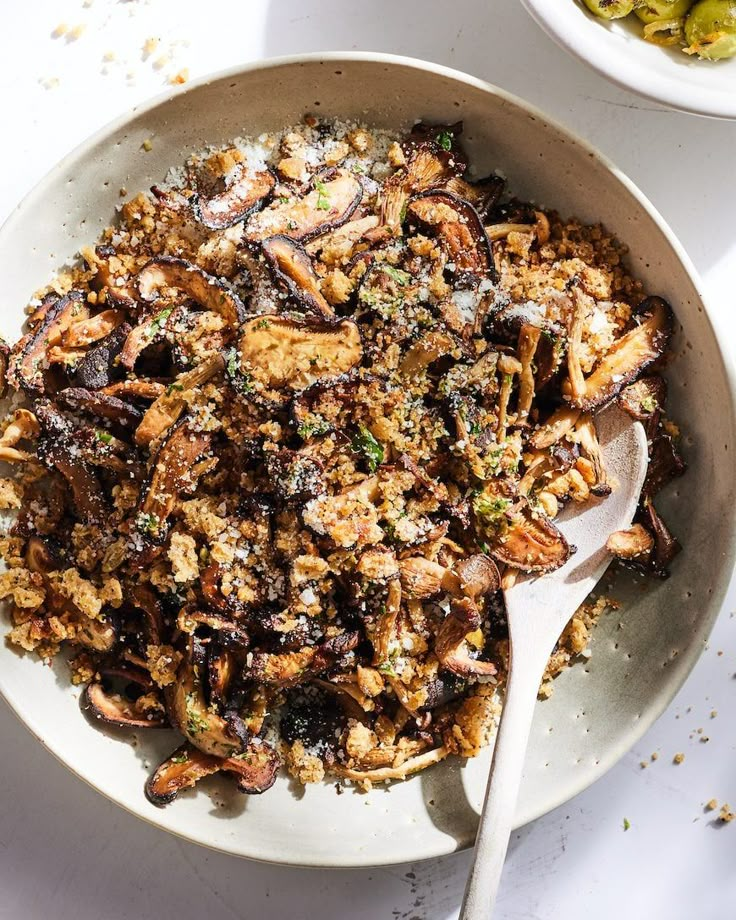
x: 538, y: 609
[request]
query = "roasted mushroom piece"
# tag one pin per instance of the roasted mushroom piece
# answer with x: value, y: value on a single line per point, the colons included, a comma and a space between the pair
x: 627, y: 358
x: 518, y: 534
x: 246, y: 193
x: 114, y: 708
x: 333, y: 199
x: 100, y: 406
x: 459, y: 227
x: 451, y: 646
x: 293, y: 267
x: 57, y: 450
x: 28, y: 358
x: 278, y: 353
x: 205, y: 290
x: 255, y: 770
x: 100, y: 367
x: 173, y: 472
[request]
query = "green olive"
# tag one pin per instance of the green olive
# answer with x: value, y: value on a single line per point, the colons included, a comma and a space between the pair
x: 610, y: 9
x: 710, y: 29
x: 657, y: 10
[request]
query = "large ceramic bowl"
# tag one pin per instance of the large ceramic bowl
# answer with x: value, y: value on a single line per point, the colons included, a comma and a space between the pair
x: 599, y: 708
x: 617, y: 51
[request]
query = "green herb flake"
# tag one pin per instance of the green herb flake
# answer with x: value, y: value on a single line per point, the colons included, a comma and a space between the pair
x: 649, y: 404
x: 312, y: 429
x: 147, y: 523
x: 490, y: 508
x: 158, y: 320
x: 323, y: 196
x: 444, y: 139
x: 627, y: 824
x: 173, y: 387
x: 284, y: 199
x: 402, y: 278
x: 263, y: 324
x: 179, y: 758
x: 365, y: 444
x: 103, y: 436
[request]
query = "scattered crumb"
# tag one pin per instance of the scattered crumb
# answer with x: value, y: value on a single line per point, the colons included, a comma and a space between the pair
x: 161, y: 61
x: 678, y: 758
x: 725, y: 814
x: 181, y: 77
x: 108, y: 56
x: 713, y: 713
x: 147, y: 145
x: 711, y: 805
x: 123, y: 191
x: 643, y: 764
x: 76, y: 32
x: 705, y: 739
x: 60, y: 30
x: 149, y: 46
x: 655, y: 756
x: 49, y: 82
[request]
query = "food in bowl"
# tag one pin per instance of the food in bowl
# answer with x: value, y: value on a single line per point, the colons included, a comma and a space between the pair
x: 281, y: 436
x: 706, y: 28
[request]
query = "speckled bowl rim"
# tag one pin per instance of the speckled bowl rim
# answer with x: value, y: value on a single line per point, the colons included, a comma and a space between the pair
x: 689, y: 656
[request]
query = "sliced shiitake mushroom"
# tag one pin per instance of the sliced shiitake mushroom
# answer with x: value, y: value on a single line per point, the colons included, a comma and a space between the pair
x: 293, y: 267
x: 114, y: 708
x: 628, y: 357
x: 28, y: 358
x: 245, y: 194
x: 57, y: 450
x: 173, y: 471
x: 633, y: 543
x: 168, y: 406
x: 330, y: 203
x: 516, y: 533
x: 205, y: 290
x: 460, y: 228
x: 255, y: 770
x: 100, y: 366
x: 451, y: 647
x: 188, y: 711
x: 101, y: 406
x: 279, y: 353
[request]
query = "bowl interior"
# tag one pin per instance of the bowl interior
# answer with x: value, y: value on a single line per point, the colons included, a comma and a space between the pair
x: 641, y: 653
x: 617, y: 50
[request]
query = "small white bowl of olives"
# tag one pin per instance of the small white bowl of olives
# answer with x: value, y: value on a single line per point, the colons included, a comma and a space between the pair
x: 681, y: 53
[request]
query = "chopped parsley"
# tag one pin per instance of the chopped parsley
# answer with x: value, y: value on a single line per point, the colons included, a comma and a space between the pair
x: 365, y: 444
x: 147, y: 523
x: 312, y: 429
x: 103, y: 436
x: 402, y: 278
x: 172, y: 387
x: 491, y: 510
x: 444, y: 139
x: 179, y: 758
x: 323, y: 196
x: 627, y: 824
x: 263, y: 324
x: 284, y: 199
x: 243, y: 382
x: 195, y: 722
x: 158, y: 321
x: 649, y: 404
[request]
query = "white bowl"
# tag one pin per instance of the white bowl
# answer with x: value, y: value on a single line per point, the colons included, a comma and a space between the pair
x: 600, y: 708
x: 617, y: 51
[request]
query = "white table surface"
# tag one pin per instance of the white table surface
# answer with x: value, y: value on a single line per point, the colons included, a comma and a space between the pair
x: 67, y: 853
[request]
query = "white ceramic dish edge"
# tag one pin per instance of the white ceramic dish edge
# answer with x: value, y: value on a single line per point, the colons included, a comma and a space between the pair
x: 651, y: 71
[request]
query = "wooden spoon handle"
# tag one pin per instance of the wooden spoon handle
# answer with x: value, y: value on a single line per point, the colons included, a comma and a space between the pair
x: 504, y: 780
